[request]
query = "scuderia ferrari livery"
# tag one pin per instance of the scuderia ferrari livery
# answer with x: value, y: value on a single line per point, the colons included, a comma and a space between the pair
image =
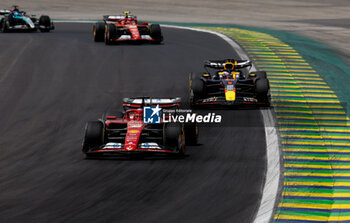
x: 139, y: 129
x: 121, y: 28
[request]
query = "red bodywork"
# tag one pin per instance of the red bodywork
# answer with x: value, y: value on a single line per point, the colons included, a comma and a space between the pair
x: 133, y: 118
x: 129, y: 23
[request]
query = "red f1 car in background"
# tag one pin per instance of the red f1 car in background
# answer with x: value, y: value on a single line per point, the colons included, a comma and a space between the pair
x: 230, y: 85
x: 126, y: 28
x: 127, y: 133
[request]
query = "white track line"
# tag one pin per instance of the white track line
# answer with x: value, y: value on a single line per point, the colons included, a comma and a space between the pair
x: 272, y: 177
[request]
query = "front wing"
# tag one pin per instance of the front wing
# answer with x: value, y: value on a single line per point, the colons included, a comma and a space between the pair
x: 144, y: 38
x: 118, y: 148
x: 223, y: 102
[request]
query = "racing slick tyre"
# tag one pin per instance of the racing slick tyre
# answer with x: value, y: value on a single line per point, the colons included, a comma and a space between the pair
x: 262, y: 90
x: 4, y: 27
x: 262, y: 86
x: 94, y: 135
x: 174, y: 137
x: 156, y: 33
x: 197, y: 89
x: 258, y: 74
x: 110, y: 34
x: 99, y: 31
x: 191, y: 133
x: 45, y: 21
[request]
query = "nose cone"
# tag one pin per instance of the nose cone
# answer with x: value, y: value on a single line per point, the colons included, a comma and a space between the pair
x: 230, y: 95
x: 133, y: 135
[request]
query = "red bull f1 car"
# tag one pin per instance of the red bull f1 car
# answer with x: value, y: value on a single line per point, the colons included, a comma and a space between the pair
x: 127, y: 132
x: 117, y: 28
x: 230, y: 84
x: 16, y: 20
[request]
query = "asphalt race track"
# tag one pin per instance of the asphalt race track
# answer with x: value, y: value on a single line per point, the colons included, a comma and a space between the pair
x: 51, y: 84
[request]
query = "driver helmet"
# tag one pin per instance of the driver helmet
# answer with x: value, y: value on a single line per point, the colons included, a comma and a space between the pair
x: 15, y: 9
x: 226, y: 74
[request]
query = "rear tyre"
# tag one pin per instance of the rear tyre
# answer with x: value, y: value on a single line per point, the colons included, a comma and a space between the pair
x: 191, y: 133
x: 174, y: 137
x: 156, y: 33
x: 99, y: 31
x: 262, y: 90
x: 44, y: 23
x: 94, y: 136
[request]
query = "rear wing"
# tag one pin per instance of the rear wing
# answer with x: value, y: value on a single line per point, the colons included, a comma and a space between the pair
x: 140, y: 102
x: 4, y: 11
x: 220, y: 64
x: 117, y: 17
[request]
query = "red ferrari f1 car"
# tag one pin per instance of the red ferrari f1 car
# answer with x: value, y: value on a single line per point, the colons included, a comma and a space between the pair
x: 127, y: 132
x: 126, y: 28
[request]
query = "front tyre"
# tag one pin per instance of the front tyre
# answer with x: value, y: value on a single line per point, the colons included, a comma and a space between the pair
x: 44, y: 23
x: 197, y: 88
x: 99, y: 32
x: 262, y: 87
x: 94, y: 136
x: 174, y: 137
x: 156, y: 33
x: 4, y: 27
x: 110, y: 34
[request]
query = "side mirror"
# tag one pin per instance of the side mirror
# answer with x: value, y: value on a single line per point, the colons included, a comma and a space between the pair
x: 206, y: 75
x: 252, y: 75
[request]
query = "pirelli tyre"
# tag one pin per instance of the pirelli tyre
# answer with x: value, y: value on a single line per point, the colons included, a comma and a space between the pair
x: 4, y: 26
x: 191, y: 133
x: 99, y: 31
x: 44, y: 23
x: 94, y: 136
x: 110, y: 34
x: 262, y: 87
x: 174, y: 137
x: 197, y: 87
x: 156, y: 33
